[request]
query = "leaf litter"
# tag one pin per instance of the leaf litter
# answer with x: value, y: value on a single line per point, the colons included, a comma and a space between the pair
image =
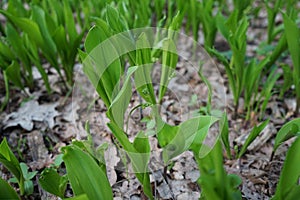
x: 31, y: 112
x: 258, y: 173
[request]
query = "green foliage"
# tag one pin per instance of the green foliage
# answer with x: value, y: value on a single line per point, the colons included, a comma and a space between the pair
x: 252, y: 136
x: 169, y: 62
x: 106, y: 79
x: 241, y: 6
x: 253, y: 75
x: 208, y: 21
x: 188, y: 135
x: 138, y: 48
x: 52, y: 182
x: 293, y: 32
x: 215, y: 183
x: 288, y: 186
x: 85, y: 175
x: 286, y: 132
x: 234, y: 31
x: 28, y: 184
x: 7, y: 192
x: 272, y: 13
x: 8, y: 159
x: 52, y: 32
x: 246, y: 77
x: 17, y: 55
x: 118, y: 60
x: 142, y: 75
x: 138, y: 13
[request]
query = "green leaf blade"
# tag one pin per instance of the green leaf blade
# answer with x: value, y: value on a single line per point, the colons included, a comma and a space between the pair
x: 85, y: 176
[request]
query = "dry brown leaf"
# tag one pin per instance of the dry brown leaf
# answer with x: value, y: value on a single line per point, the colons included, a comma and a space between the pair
x: 31, y: 111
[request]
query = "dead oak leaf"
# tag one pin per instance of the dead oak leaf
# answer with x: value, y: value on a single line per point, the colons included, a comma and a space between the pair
x: 31, y: 111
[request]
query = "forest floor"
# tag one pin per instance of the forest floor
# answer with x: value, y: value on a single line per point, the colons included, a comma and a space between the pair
x: 38, y: 125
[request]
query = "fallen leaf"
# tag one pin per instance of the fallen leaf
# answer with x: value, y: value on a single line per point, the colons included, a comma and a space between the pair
x: 31, y: 111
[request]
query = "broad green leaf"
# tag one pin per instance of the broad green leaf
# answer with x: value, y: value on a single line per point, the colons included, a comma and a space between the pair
x: 6, y: 83
x: 6, y: 191
x: 120, y: 103
x: 114, y: 20
x: 288, y: 187
x: 123, y: 42
x: 16, y: 8
x: 165, y: 132
x: 85, y: 176
x: 252, y: 136
x: 221, y: 24
x: 141, y: 161
x: 18, y: 47
x: 122, y: 138
x: 48, y: 45
x: 59, y: 37
x: 8, y: 159
x: 177, y: 139
x: 95, y: 37
x: 58, y: 160
x: 28, y: 184
x: 142, y: 145
x: 89, y: 147
x: 69, y: 21
x: 102, y: 65
x: 142, y: 76
x: 286, y: 132
x: 52, y: 182
x: 88, y: 68
x: 51, y: 21
x: 169, y: 62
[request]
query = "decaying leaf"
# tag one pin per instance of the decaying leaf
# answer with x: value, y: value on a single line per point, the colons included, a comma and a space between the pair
x: 31, y: 111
